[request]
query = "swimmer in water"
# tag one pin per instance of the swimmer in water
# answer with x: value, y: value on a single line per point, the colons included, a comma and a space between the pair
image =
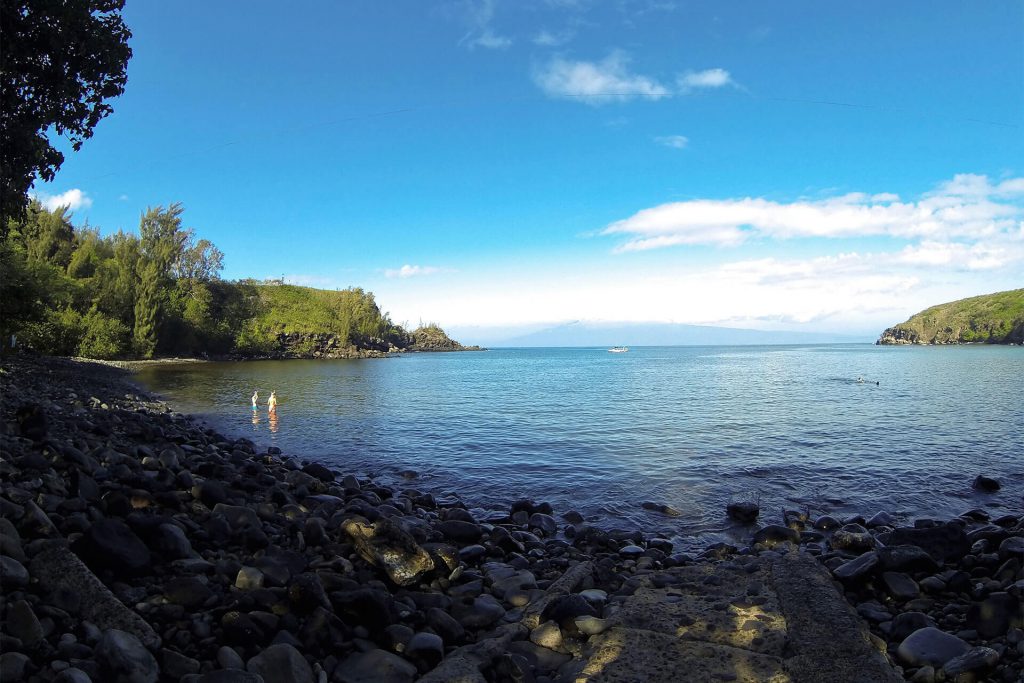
x: 255, y: 397
x: 860, y: 380
x: 272, y: 403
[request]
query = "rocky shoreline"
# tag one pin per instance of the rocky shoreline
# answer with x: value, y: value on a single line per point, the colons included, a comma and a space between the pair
x: 138, y: 546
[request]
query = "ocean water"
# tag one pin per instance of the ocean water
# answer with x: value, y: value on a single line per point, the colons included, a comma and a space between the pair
x: 789, y: 427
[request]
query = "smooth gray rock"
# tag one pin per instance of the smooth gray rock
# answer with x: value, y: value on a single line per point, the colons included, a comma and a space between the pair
x: 993, y: 616
x: 228, y: 658
x: 375, y: 666
x: 426, y: 650
x: 905, y: 623
x: 906, y: 558
x: 281, y: 663
x: 979, y: 660
x: 23, y: 624
x: 171, y: 542
x: 901, y: 586
x: 124, y: 659
x: 13, y: 666
x: 479, y: 612
x: 12, y: 573
x: 858, y: 568
x: 72, y: 675
x: 944, y: 543
x: 175, y: 665
x: 930, y: 646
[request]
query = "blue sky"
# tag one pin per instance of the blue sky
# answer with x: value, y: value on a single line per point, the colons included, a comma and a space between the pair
x: 485, y: 163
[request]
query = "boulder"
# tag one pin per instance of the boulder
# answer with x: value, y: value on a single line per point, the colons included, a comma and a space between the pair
x: 386, y: 545
x: 122, y: 658
x: 930, y: 646
x: 743, y: 512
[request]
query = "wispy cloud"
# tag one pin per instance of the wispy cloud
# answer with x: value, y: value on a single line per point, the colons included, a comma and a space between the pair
x: 408, y: 271
x: 73, y: 199
x: 547, y: 38
x: 673, y: 141
x: 707, y: 79
x: 479, y: 16
x: 597, y: 82
x: 968, y: 209
x: 612, y: 80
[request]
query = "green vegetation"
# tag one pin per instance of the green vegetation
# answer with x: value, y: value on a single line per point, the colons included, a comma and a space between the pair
x: 69, y: 291
x: 991, y: 319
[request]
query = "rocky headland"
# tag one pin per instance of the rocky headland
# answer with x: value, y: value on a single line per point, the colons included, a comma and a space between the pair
x: 990, y: 319
x: 138, y: 546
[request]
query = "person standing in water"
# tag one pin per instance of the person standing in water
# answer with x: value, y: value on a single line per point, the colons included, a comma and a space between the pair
x: 272, y: 403
x: 255, y: 397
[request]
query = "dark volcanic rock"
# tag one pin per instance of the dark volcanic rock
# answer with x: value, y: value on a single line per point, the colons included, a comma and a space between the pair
x: 743, y: 512
x: 947, y: 542
x: 110, y: 544
x: 986, y: 484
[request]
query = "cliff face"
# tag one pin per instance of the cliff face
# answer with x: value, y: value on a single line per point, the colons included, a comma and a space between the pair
x: 990, y: 319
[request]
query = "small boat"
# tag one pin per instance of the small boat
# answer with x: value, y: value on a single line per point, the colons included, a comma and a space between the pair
x: 618, y: 349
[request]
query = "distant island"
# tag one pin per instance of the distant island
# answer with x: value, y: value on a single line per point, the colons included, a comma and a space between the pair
x: 988, y: 319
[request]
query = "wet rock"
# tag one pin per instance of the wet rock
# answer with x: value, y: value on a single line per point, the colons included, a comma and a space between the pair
x: 774, y: 534
x: 826, y: 523
x: 281, y: 663
x: 880, y: 519
x: 979, y: 660
x: 387, y: 546
x: 930, y: 646
x: 23, y: 624
x: 993, y: 616
x: 854, y: 538
x: 321, y: 472
x: 123, y: 659
x: 743, y: 512
x: 986, y: 484
x: 662, y: 508
x: 109, y: 544
x: 375, y: 666
x: 545, y: 523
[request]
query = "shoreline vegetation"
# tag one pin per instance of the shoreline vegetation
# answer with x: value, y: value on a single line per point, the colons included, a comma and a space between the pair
x: 67, y: 291
x: 989, y: 319
x: 138, y: 545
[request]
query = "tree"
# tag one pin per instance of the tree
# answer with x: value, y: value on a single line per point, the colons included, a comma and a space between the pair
x: 59, y: 64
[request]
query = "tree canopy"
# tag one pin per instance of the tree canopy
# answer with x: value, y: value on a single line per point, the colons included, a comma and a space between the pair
x: 60, y: 63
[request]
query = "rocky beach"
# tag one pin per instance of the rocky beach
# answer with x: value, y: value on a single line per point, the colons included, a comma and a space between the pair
x: 140, y: 546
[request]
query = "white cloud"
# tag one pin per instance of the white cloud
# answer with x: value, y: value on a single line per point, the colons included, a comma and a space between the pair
x: 674, y: 141
x: 709, y: 78
x: 965, y: 208
x: 407, y: 271
x: 73, y: 199
x: 597, y: 82
x: 479, y: 16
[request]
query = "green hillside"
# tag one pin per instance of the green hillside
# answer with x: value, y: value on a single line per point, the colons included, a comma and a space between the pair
x: 991, y: 319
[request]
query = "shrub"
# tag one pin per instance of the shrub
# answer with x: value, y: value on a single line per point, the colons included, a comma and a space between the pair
x: 104, y: 337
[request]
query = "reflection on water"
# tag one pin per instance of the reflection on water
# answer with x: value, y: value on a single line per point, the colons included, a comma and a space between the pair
x: 689, y: 427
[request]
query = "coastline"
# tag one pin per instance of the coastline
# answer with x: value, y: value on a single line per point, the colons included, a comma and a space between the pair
x: 256, y: 545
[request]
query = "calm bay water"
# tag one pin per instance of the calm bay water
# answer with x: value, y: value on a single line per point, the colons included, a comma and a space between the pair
x: 689, y: 427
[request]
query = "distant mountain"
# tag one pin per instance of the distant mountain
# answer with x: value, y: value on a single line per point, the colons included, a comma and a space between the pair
x: 991, y: 319
x: 582, y: 333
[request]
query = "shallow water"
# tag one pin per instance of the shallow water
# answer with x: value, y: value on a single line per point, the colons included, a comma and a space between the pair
x: 690, y: 427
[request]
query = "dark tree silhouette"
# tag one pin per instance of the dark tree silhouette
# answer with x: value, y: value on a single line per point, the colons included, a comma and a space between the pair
x: 60, y: 62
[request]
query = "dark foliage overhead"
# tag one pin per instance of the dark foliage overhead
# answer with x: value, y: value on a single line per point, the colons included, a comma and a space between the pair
x: 61, y: 61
